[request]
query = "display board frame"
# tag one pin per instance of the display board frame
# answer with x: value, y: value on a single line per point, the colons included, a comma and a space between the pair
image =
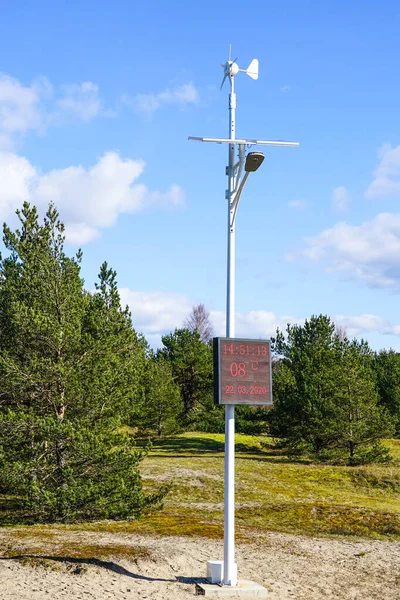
x: 242, y: 371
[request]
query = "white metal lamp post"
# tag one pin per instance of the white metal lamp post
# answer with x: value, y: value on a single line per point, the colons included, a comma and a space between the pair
x: 236, y: 183
x: 253, y: 161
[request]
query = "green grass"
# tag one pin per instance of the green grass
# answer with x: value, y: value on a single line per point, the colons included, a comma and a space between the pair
x: 274, y: 492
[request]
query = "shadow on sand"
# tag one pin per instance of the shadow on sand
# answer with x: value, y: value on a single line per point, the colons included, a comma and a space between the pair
x: 104, y: 564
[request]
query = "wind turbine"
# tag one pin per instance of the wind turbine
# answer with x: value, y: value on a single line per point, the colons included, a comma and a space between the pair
x: 231, y: 69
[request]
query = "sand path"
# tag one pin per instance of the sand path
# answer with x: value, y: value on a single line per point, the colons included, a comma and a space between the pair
x: 290, y: 567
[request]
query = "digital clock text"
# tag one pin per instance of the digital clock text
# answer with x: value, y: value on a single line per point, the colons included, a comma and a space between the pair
x: 246, y: 349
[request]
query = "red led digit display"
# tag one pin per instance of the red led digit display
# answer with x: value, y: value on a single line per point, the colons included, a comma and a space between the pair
x: 242, y: 371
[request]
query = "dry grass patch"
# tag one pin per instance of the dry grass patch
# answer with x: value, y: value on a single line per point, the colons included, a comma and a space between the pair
x: 43, y: 547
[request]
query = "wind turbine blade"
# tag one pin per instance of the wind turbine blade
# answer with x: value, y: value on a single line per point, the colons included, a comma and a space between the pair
x: 252, y: 69
x: 223, y: 81
x: 230, y: 48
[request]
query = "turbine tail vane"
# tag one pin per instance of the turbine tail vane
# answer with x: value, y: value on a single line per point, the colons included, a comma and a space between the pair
x: 252, y: 69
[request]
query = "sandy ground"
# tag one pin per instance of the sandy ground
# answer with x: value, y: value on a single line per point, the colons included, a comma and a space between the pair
x: 290, y: 567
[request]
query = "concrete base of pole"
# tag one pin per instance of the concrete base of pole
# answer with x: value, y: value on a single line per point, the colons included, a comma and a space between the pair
x: 244, y: 589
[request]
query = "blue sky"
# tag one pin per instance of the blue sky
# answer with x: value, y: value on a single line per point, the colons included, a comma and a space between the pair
x: 97, y: 100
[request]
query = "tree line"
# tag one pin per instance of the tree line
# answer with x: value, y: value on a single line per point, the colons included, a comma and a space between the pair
x: 80, y: 389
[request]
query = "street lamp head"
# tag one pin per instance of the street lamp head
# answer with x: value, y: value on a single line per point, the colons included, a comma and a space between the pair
x: 253, y: 161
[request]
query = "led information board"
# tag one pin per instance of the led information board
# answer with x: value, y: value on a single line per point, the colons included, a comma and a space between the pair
x: 242, y: 371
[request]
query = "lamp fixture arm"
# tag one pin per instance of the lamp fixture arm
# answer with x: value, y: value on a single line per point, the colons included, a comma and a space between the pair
x: 239, y: 182
x: 236, y: 197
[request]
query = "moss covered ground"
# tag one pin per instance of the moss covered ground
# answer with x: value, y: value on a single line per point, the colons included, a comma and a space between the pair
x: 274, y: 492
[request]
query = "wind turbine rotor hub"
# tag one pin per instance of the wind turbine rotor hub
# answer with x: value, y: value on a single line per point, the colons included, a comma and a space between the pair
x: 233, y: 69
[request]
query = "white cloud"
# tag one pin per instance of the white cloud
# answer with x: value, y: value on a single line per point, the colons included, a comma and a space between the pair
x: 16, y: 177
x: 298, y: 204
x: 79, y: 233
x: 369, y: 252
x: 362, y: 324
x: 39, y: 105
x: 173, y: 197
x: 341, y: 199
x: 89, y: 199
x: 156, y: 312
x: 19, y: 106
x: 255, y: 323
x: 80, y: 100
x: 36, y: 106
x: 181, y: 96
x: 286, y: 88
x: 386, y: 180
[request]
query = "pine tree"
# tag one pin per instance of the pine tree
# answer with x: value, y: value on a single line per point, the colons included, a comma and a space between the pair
x: 70, y: 367
x: 325, y: 394
x: 192, y: 367
x: 304, y: 382
x: 360, y: 421
x: 160, y: 406
x: 387, y: 368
